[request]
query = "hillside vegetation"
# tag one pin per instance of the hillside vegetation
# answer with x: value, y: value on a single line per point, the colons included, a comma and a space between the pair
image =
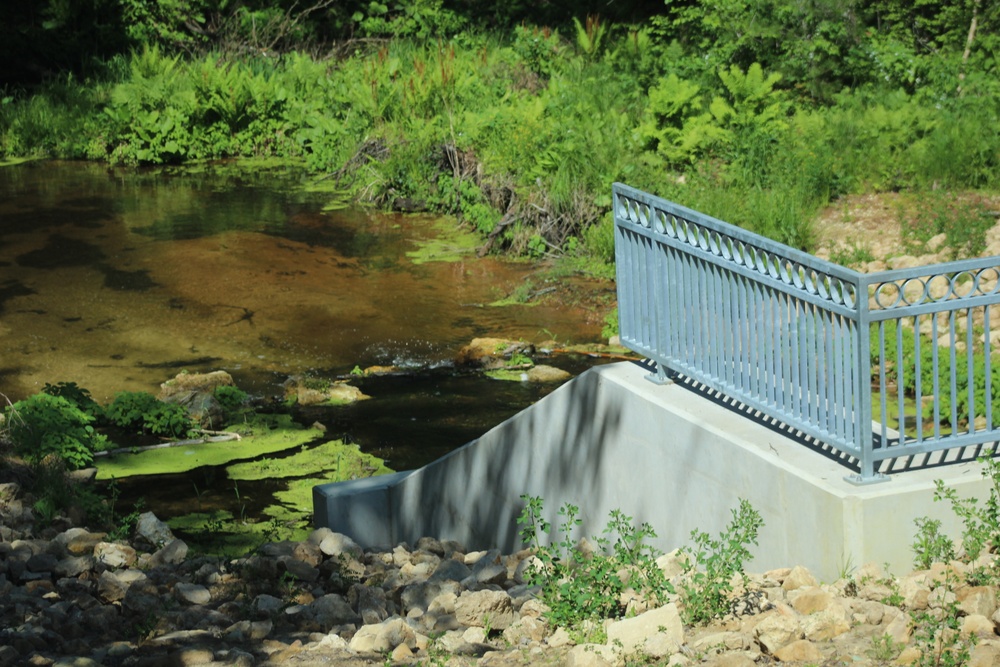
x: 518, y: 119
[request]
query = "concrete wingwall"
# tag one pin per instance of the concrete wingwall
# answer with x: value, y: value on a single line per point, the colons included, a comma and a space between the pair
x: 610, y: 439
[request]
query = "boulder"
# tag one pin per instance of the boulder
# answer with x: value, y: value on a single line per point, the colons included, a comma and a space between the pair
x: 383, y: 637
x: 152, y: 530
x: 476, y: 609
x: 640, y: 633
x: 307, y: 391
x: 196, y: 393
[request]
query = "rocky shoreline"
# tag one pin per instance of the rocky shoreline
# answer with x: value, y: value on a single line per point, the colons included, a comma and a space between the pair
x: 72, y: 596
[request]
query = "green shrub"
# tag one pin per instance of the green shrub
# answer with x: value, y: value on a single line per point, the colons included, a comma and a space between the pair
x: 44, y: 425
x: 930, y: 545
x: 714, y: 563
x: 76, y: 395
x: 578, y: 586
x: 142, y: 412
x: 232, y: 399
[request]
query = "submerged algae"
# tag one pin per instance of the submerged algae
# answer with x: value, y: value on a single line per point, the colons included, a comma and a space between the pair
x: 333, y: 460
x: 182, y: 459
x: 451, y: 243
x: 221, y: 532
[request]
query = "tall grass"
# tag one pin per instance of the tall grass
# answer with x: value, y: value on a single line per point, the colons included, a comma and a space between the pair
x: 529, y: 131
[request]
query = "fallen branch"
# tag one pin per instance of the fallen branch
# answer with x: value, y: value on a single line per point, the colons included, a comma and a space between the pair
x: 214, y: 436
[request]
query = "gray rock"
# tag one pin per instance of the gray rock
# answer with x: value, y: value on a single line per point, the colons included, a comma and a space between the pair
x: 301, y: 570
x: 431, y: 545
x: 114, y: 555
x: 112, y: 586
x: 174, y: 552
x: 267, y: 605
x: 43, y: 562
x: 494, y: 573
x: 9, y: 656
x: 332, y: 610
x: 475, y: 608
x: 336, y: 544
x: 73, y: 566
x: 419, y: 595
x: 154, y: 531
x: 369, y: 603
x: 78, y: 541
x: 192, y: 593
x: 451, y: 570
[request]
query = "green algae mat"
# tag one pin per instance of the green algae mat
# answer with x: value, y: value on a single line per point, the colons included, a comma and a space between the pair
x: 257, y: 442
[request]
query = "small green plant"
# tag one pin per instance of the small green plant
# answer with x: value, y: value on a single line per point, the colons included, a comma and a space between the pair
x: 487, y: 625
x: 980, y: 528
x: 519, y: 360
x: 233, y: 401
x: 930, y: 545
x: 125, y: 524
x: 883, y: 649
x: 937, y: 634
x: 43, y: 425
x: 579, y: 586
x: 611, y: 327
x: 713, y: 563
x: 852, y: 255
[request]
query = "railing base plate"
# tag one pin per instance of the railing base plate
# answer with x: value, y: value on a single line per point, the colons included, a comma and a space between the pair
x: 659, y: 377
x: 858, y: 480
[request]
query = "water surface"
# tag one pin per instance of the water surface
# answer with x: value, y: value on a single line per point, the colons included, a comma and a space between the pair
x: 118, y: 279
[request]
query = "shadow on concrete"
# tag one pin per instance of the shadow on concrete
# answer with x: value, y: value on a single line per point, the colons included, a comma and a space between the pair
x: 902, y: 463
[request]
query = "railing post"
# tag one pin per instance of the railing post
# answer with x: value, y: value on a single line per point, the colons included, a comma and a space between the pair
x: 863, y: 434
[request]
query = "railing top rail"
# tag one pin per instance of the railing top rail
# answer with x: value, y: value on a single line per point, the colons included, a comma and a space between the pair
x: 731, y: 231
x: 929, y: 270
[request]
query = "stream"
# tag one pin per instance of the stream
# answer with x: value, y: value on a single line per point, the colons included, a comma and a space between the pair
x: 118, y: 279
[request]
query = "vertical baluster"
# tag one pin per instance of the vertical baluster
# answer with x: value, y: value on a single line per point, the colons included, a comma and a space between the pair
x: 882, y: 385
x: 987, y: 371
x: 936, y: 375
x: 901, y: 373
x: 917, y: 381
x: 970, y: 370
x: 953, y: 372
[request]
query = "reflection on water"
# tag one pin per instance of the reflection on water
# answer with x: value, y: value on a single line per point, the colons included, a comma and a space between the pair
x: 118, y: 279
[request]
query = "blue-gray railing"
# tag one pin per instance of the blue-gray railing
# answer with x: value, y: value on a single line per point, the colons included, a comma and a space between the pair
x: 875, y: 365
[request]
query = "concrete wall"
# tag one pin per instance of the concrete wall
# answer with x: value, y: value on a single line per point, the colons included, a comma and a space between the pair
x: 610, y: 439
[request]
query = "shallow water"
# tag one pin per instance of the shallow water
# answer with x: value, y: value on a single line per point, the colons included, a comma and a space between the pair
x: 119, y: 279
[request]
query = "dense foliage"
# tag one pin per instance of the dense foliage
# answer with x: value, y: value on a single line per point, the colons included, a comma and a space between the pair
x: 518, y: 117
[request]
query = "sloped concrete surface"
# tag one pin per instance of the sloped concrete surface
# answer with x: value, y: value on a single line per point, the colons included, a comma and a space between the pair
x: 610, y: 439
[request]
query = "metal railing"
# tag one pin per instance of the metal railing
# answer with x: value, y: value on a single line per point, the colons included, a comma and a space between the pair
x: 882, y: 367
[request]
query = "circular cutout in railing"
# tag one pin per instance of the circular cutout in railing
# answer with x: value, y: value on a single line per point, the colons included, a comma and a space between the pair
x: 887, y: 295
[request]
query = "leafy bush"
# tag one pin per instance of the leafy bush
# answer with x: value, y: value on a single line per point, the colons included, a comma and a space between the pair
x: 141, y: 411
x: 76, y: 395
x: 714, y: 563
x: 232, y: 399
x: 44, y: 425
x: 579, y: 586
x: 930, y: 545
x: 980, y: 528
